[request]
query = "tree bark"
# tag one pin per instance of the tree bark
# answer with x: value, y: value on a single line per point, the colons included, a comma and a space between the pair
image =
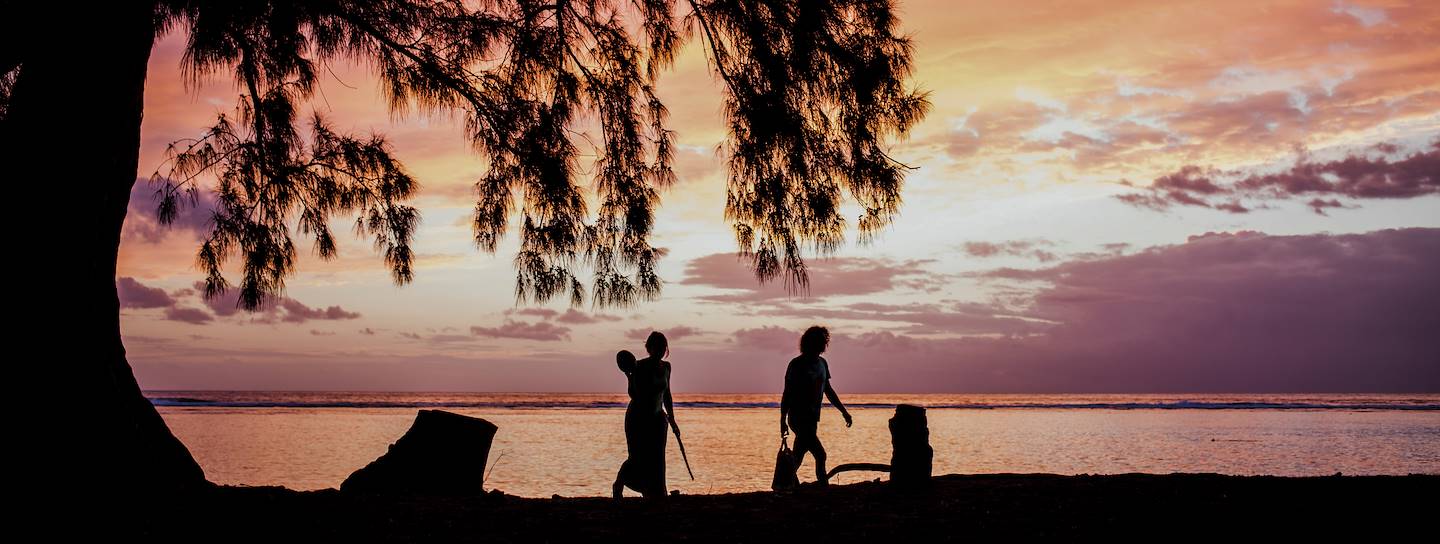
x: 73, y: 133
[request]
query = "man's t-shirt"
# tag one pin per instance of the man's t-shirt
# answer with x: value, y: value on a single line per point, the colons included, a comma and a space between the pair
x: 805, y: 385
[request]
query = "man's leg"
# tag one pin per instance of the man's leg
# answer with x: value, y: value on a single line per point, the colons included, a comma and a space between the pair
x: 803, y: 443
x: 818, y: 450
x: 807, y: 441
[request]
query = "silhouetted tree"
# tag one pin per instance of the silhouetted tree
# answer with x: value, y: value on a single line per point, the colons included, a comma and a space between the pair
x: 813, y: 90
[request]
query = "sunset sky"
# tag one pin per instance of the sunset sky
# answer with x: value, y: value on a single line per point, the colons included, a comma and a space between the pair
x: 1116, y: 196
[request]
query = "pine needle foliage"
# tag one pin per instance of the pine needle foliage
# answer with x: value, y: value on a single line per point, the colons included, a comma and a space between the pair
x: 813, y: 92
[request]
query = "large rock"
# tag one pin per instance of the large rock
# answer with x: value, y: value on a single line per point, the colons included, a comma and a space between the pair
x: 912, y: 459
x: 910, y: 464
x: 442, y: 453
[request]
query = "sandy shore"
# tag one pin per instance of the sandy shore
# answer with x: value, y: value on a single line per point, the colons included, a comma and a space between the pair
x: 956, y: 508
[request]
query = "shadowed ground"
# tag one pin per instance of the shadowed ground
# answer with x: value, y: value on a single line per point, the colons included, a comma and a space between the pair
x: 957, y: 508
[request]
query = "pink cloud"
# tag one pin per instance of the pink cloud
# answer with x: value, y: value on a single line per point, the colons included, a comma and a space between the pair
x: 542, y: 313
x: 768, y: 338
x: 672, y: 334
x: 931, y: 318
x: 1016, y: 248
x: 1198, y: 88
x: 542, y: 331
x: 576, y: 317
x: 840, y: 276
x: 571, y: 316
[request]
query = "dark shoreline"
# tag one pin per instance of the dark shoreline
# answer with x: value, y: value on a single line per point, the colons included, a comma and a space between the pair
x: 956, y: 507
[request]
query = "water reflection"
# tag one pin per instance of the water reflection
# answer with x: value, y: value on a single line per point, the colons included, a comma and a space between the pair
x: 573, y: 452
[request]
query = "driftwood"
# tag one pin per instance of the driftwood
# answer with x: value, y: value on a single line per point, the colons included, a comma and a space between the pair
x: 442, y: 453
x: 912, y: 457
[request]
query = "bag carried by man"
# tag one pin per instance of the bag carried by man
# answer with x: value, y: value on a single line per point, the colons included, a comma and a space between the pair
x: 784, y: 468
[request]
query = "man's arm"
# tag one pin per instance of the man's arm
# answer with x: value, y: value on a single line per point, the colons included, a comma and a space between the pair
x: 835, y: 400
x: 784, y: 410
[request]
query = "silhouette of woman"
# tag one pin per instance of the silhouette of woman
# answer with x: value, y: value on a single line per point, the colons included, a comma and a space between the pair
x: 645, y: 419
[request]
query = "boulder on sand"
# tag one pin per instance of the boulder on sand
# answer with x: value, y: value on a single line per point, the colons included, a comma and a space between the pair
x: 442, y: 453
x: 912, y: 458
x: 910, y: 464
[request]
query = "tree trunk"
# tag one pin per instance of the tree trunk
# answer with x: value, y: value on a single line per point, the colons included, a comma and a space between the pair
x: 73, y: 133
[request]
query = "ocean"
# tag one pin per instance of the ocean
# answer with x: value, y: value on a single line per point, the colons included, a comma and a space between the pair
x: 572, y: 444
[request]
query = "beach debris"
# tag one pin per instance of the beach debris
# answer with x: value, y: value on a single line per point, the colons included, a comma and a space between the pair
x: 441, y: 453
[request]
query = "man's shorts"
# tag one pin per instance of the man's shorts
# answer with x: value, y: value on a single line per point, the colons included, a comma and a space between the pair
x: 803, y: 427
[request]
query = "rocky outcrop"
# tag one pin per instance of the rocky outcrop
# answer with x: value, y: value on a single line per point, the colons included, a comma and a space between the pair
x: 912, y: 457
x: 442, y: 453
x: 910, y: 464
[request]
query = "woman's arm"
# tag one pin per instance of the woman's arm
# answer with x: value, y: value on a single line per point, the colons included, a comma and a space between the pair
x: 669, y: 403
x: 835, y: 400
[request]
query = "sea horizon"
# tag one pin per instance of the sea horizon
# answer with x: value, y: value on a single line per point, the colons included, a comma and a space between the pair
x: 571, y: 443
x: 196, y: 398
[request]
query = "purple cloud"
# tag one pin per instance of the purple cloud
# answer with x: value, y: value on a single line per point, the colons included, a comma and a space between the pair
x: 575, y: 317
x: 839, y: 276
x: 672, y: 334
x: 1223, y: 312
x: 274, y: 310
x: 542, y: 313
x: 134, y: 294
x: 542, y: 331
x: 927, y: 318
x: 194, y: 316
x: 1015, y: 248
x: 768, y: 338
x: 297, y: 312
x: 142, y: 225
x: 570, y: 317
x: 1354, y: 177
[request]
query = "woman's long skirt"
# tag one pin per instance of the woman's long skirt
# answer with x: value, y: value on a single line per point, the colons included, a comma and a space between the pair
x: 644, y: 470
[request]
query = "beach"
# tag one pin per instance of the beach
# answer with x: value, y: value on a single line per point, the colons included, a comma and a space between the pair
x: 1008, y: 467
x: 956, y: 507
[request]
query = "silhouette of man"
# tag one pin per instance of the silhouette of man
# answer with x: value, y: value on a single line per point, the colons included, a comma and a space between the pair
x: 808, y: 377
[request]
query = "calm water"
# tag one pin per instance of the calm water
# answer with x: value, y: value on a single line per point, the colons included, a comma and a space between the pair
x: 572, y: 444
